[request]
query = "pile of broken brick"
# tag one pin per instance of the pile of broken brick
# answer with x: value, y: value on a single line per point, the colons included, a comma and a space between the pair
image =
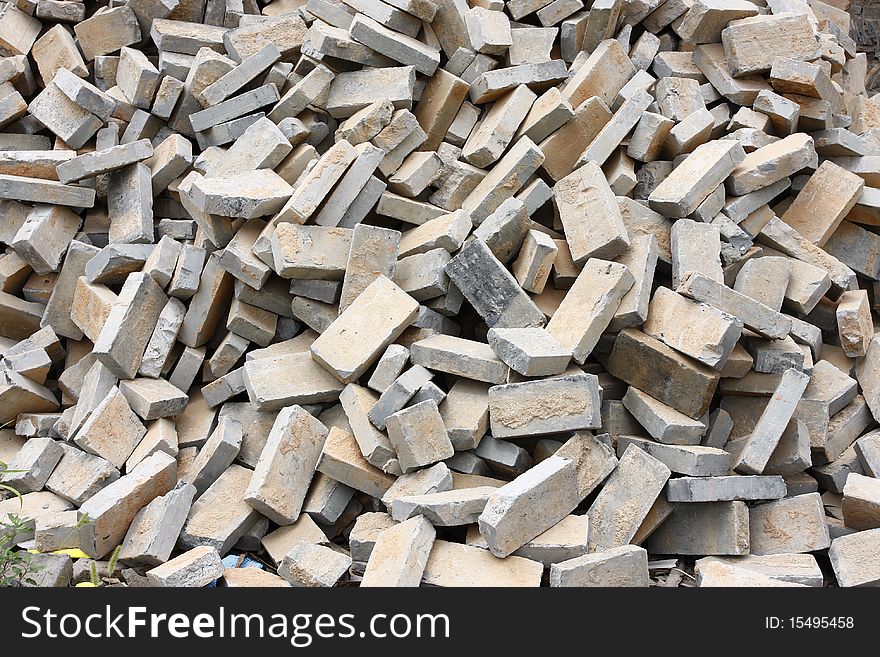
x: 422, y: 292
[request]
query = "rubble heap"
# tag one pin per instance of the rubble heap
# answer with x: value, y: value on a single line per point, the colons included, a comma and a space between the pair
x: 407, y: 292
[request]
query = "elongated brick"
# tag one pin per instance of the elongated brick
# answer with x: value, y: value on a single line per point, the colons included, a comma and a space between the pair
x: 714, y: 528
x: 651, y: 366
x: 624, y: 501
x: 754, y: 315
x: 599, y: 286
x: 695, y: 329
x: 788, y: 526
x: 692, y: 460
x: 362, y: 332
x: 623, y: 566
x: 773, y: 421
x: 282, y: 476
x: 772, y: 163
x: 491, y: 288
x: 663, y: 422
x: 725, y: 489
x: 565, y: 403
x: 357, y: 402
x: 110, y: 511
x: 121, y: 343
x: 400, y: 555
x: 342, y: 460
x: 444, y: 509
x: 507, y: 523
x: 457, y: 565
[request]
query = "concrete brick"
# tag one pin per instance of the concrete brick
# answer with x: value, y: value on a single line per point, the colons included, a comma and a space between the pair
x: 753, y: 314
x: 585, y: 190
x: 565, y: 403
x: 772, y: 423
x: 508, y: 523
x: 829, y: 195
x: 752, y: 44
x: 628, y: 495
x: 112, y: 430
x: 358, y: 402
x: 395, y: 397
x: 456, y: 565
x: 692, y: 460
x: 504, y: 180
x: 374, y: 336
x: 772, y: 163
x: 216, y: 455
x: 153, y: 532
x: 444, y: 509
x: 788, y: 526
x: 649, y: 365
x: 153, y: 398
x: 79, y: 475
x: 292, y: 450
x: 400, y: 555
x: 220, y: 516
x: 725, y: 489
x: 861, y: 502
x: 111, y: 510
x: 311, y: 565
x: 868, y: 450
x: 600, y: 286
x: 713, y: 528
x: 711, y: 335
x: 854, y: 558
x: 793, y: 568
x: 33, y: 464
x: 194, y: 568
x: 566, y: 539
x: 663, y: 422
x: 782, y: 237
x: 623, y: 566
x: 419, y: 436
x: 434, y: 479
x: 342, y: 460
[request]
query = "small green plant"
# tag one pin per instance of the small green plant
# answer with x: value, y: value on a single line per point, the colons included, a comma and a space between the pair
x: 4, y: 470
x: 16, y: 566
x: 94, y: 577
x: 111, y: 565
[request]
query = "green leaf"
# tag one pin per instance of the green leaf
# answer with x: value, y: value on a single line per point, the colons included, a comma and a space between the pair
x: 15, y: 492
